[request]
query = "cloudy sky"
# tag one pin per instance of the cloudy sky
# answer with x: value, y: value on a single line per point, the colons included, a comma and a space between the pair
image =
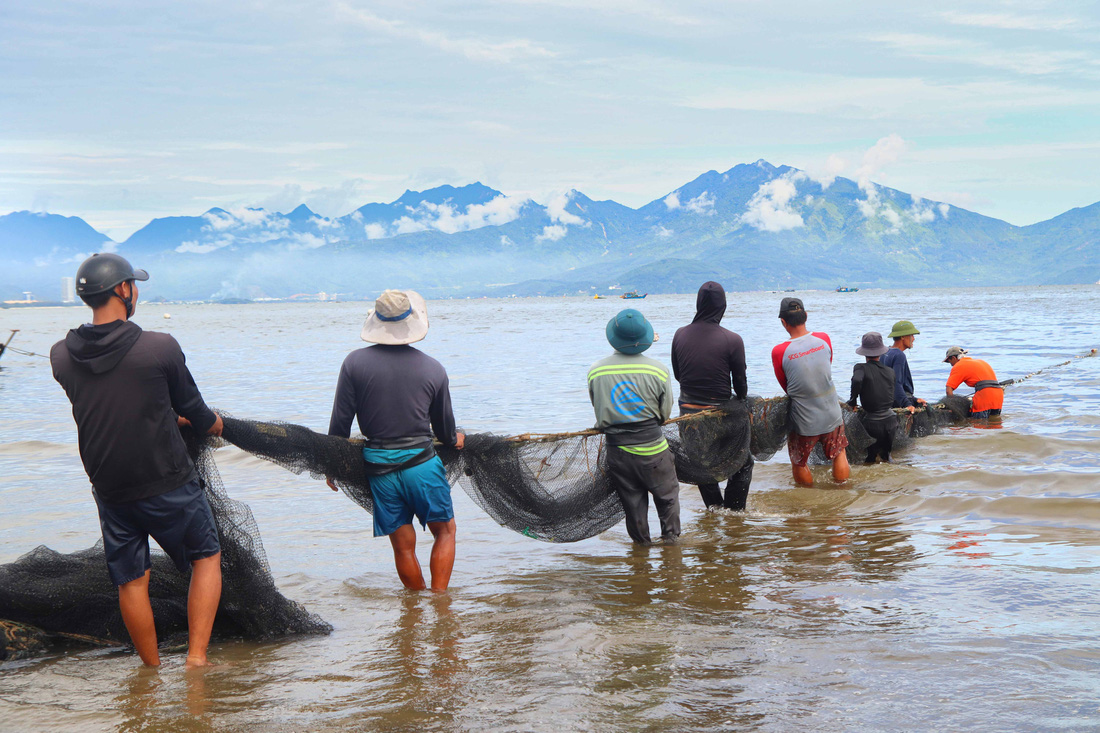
x: 120, y: 111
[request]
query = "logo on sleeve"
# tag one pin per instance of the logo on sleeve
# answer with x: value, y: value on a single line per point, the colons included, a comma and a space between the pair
x: 625, y: 398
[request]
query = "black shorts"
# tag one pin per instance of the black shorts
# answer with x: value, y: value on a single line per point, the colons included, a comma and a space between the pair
x: 179, y: 520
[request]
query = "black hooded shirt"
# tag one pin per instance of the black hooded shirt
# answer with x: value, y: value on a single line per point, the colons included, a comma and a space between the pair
x: 127, y: 386
x: 706, y: 358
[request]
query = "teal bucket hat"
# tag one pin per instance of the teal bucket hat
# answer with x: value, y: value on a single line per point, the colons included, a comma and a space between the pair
x: 629, y: 332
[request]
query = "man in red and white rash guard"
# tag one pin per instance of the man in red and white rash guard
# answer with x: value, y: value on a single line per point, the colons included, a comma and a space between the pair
x: 803, y: 365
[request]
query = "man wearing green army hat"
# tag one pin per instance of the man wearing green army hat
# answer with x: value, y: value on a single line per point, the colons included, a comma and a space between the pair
x: 904, y: 334
x: 632, y: 397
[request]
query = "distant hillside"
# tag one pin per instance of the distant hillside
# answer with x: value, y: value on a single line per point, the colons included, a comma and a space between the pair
x: 38, y: 248
x: 754, y: 226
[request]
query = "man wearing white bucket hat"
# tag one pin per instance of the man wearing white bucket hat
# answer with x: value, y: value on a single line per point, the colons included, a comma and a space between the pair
x: 400, y: 397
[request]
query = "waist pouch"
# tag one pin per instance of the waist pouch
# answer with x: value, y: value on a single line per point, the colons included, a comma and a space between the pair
x: 381, y: 469
x: 637, y: 433
x: 987, y: 384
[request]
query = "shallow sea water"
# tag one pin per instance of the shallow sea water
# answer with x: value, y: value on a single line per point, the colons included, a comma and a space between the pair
x: 956, y: 589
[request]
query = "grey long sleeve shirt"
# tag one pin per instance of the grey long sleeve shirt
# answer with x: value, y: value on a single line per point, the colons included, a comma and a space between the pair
x: 396, y: 392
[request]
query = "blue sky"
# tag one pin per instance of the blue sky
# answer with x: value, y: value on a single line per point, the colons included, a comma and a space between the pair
x: 121, y: 111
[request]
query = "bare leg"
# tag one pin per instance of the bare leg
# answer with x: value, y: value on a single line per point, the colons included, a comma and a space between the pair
x: 137, y: 614
x: 841, y: 469
x: 404, y: 557
x: 443, y: 553
x: 802, y: 475
x: 202, y: 606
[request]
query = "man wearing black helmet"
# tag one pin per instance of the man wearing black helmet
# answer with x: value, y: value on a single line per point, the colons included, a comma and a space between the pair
x: 130, y: 389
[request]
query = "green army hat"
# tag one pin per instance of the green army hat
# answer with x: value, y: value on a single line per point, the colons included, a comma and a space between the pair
x: 903, y: 328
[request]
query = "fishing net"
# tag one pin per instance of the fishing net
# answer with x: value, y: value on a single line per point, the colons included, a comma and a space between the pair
x: 70, y: 597
x: 554, y: 487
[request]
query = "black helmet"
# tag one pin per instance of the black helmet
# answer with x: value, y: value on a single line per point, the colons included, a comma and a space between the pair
x: 101, y: 272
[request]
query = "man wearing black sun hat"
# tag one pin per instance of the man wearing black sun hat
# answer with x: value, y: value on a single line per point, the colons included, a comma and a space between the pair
x: 131, y: 391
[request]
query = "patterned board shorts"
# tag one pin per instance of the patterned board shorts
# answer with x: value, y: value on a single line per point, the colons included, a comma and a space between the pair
x: 799, y: 447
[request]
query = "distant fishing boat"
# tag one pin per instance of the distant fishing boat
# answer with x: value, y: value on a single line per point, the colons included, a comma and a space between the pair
x: 633, y: 295
x: 846, y: 289
x: 599, y: 297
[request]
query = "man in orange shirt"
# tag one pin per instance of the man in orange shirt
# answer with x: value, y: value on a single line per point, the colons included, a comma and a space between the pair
x: 989, y: 395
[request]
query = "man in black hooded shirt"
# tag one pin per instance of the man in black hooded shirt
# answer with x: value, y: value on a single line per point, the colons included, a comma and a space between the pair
x: 706, y: 360
x: 131, y: 391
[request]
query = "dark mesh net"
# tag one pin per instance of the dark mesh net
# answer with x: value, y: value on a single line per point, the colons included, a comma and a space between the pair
x: 71, y: 597
x: 301, y: 450
x: 555, y: 490
x: 550, y: 487
x: 555, y: 487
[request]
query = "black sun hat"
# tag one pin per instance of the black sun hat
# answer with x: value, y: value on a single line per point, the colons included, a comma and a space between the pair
x: 101, y: 272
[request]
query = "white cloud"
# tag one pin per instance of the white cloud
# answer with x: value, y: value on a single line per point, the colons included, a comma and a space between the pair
x: 922, y: 211
x: 701, y: 204
x: 217, y: 221
x: 770, y: 209
x: 555, y: 208
x: 490, y: 128
x: 194, y: 247
x: 662, y: 232
x: 871, y: 98
x: 307, y: 240
x: 892, y: 216
x: 672, y: 201
x: 944, y: 210
x: 322, y: 222
x: 552, y: 233
x: 1010, y: 21
x: 825, y: 174
x: 277, y: 149
x: 886, y: 151
x: 661, y: 13
x: 1023, y: 61
x: 449, y: 219
x: 408, y: 225
x: 506, y: 241
x: 474, y: 49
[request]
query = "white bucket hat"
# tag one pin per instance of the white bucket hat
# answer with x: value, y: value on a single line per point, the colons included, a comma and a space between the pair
x: 398, y: 317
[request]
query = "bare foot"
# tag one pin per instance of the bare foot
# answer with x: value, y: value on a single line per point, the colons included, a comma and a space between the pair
x: 198, y: 662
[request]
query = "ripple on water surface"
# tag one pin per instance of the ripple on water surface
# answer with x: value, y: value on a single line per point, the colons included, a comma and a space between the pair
x: 955, y: 589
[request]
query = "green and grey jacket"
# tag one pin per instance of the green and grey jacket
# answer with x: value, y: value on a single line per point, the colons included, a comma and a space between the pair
x: 632, y: 397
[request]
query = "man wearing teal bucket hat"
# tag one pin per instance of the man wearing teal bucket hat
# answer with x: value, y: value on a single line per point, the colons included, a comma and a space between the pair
x: 632, y: 397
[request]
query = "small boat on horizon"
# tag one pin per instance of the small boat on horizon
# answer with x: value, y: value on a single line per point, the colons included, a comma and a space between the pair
x: 846, y: 289
x: 633, y: 295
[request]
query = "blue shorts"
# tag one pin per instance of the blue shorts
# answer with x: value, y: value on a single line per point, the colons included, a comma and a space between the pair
x: 421, y: 490
x: 179, y: 520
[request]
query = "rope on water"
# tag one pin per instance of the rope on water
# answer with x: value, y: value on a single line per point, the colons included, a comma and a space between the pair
x: 25, y: 353
x: 1088, y: 354
x: 551, y: 437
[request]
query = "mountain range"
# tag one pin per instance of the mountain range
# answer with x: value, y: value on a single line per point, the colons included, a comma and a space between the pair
x: 755, y: 226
